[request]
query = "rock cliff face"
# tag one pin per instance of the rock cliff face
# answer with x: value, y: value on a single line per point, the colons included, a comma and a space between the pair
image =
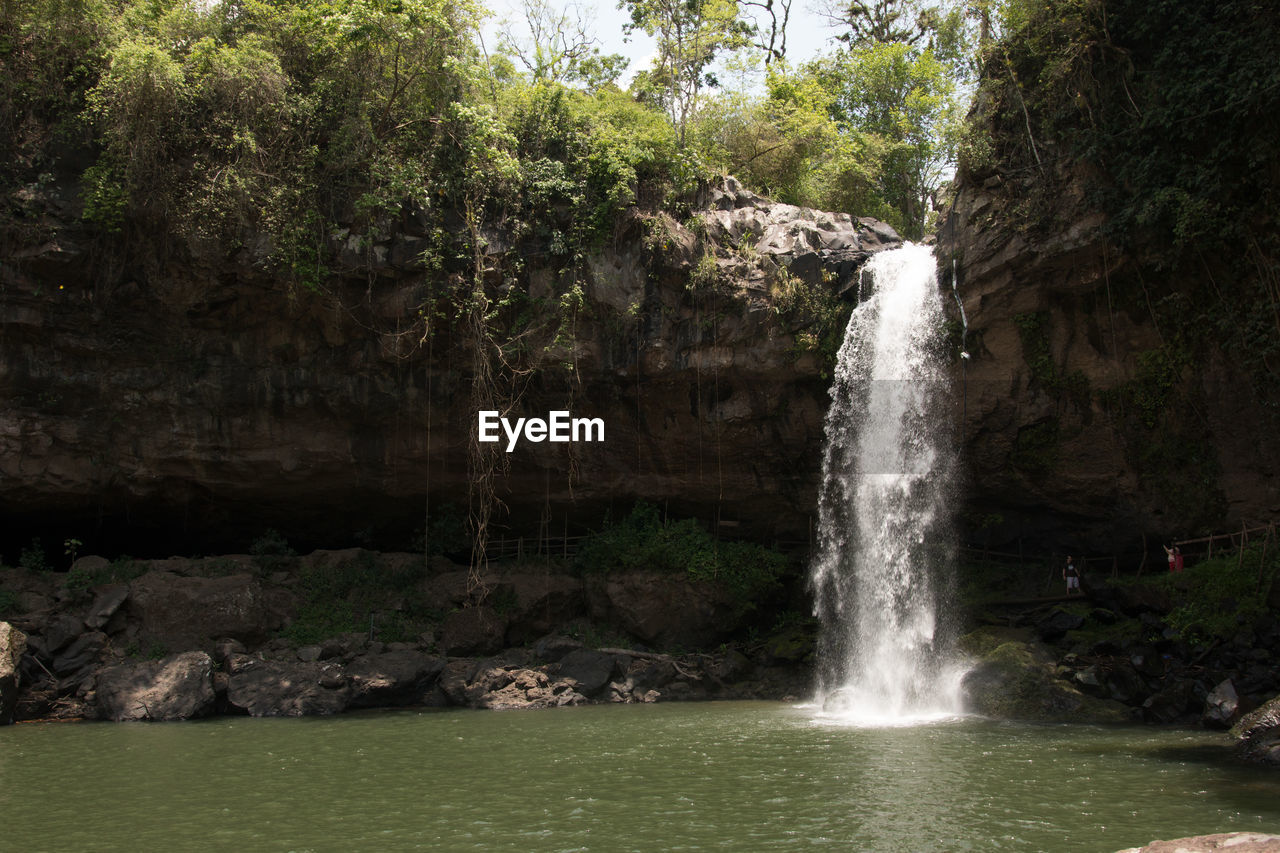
x: 190, y: 401
x: 1080, y: 425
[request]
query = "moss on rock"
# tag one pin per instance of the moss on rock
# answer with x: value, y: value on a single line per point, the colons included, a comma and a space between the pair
x: 1016, y: 679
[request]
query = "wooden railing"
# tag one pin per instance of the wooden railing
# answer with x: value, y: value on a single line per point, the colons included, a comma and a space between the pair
x: 566, y: 546
x: 528, y: 547
x: 1233, y: 540
x: 1193, y: 550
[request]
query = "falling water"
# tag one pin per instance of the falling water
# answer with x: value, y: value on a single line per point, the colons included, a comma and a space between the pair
x: 880, y: 574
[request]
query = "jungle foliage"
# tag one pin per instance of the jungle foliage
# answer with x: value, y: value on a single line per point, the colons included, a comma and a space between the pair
x: 644, y: 539
x: 260, y: 127
x: 266, y: 126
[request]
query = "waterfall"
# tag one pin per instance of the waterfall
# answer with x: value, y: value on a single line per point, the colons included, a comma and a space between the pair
x: 882, y: 568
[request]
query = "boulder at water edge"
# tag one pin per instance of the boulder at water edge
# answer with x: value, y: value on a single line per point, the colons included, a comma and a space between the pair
x: 404, y: 677
x: 262, y: 688
x: 1221, y: 706
x: 588, y: 670
x: 1016, y: 679
x: 1259, y: 734
x: 12, y: 644
x: 177, y: 688
x: 1236, y: 842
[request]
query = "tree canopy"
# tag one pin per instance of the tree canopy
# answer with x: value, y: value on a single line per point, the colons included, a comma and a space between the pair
x: 264, y: 122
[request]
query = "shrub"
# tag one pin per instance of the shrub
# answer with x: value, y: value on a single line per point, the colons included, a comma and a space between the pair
x: 340, y: 596
x: 8, y: 603
x: 271, y: 550
x: 1220, y: 595
x: 32, y: 557
x: 1216, y: 598
x: 123, y: 569
x: 644, y: 540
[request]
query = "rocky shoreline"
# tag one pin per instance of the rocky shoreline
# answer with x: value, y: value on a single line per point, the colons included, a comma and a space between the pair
x: 1061, y: 670
x: 1116, y: 656
x: 186, y: 638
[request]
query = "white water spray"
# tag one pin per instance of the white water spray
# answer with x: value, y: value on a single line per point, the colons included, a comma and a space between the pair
x: 883, y: 562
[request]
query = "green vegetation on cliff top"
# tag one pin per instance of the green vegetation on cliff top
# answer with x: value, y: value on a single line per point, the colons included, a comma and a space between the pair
x: 264, y: 126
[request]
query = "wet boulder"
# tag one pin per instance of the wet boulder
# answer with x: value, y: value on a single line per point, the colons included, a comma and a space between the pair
x: 1124, y: 684
x: 1175, y: 701
x: 1258, y: 735
x: 1057, y: 623
x: 178, y: 687
x: 1017, y: 679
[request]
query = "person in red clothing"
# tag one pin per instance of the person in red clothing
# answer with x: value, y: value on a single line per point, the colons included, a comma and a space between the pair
x: 1175, y: 558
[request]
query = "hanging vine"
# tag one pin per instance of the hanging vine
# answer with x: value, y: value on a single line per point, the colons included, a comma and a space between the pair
x: 484, y: 460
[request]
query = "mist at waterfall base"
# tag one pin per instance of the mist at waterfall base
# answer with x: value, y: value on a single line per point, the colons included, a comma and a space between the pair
x: 884, y: 563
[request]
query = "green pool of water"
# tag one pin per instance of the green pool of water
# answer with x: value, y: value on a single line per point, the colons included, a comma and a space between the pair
x: 736, y: 776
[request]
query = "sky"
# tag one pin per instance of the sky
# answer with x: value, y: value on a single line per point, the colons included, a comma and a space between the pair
x: 808, y: 33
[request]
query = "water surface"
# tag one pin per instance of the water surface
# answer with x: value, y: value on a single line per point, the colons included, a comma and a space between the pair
x: 736, y: 776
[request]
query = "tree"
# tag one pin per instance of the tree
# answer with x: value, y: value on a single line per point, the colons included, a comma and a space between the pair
x: 906, y: 97
x: 879, y: 21
x: 690, y: 33
x: 559, y: 46
x: 787, y: 145
x: 899, y: 82
x: 771, y: 39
